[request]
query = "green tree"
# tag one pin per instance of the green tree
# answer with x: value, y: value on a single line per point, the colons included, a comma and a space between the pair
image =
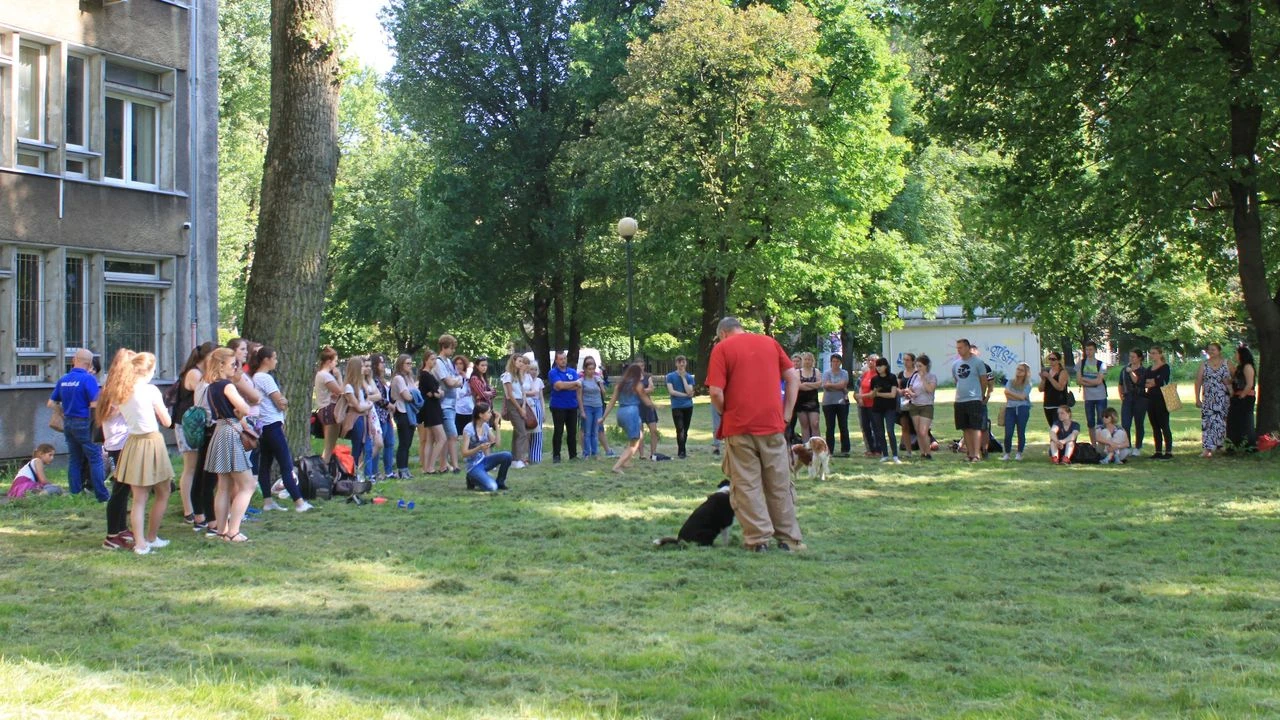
x: 1135, y: 130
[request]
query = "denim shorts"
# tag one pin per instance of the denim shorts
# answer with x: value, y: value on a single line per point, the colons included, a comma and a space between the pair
x: 450, y: 422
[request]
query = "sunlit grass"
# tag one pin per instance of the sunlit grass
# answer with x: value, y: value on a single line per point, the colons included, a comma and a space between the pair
x: 1017, y: 590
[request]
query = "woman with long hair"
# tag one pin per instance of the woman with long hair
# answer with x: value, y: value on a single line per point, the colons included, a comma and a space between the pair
x: 431, y: 434
x: 1017, y: 409
x: 273, y: 445
x: 907, y: 440
x: 115, y: 433
x: 591, y: 407
x: 183, y: 398
x: 1244, y: 384
x: 357, y: 403
x: 1213, y: 397
x: 628, y: 395
x: 533, y: 387
x: 884, y: 411
x: 514, y: 408
x: 1053, y: 383
x: 227, y: 456
x: 464, y: 402
x: 383, y: 409
x: 326, y: 392
x: 374, y: 441
x: 1157, y: 411
x: 921, y: 390
x: 808, y: 408
x: 144, y: 462
x: 406, y: 412
x: 1133, y: 399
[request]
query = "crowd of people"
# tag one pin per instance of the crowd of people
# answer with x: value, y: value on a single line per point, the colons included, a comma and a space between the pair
x: 227, y: 413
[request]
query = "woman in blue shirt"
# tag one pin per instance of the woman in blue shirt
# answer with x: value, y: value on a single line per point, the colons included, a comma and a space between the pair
x: 1017, y: 409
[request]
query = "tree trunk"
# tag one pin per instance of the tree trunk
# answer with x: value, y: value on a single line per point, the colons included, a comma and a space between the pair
x: 286, y: 291
x: 713, y: 303
x: 557, y: 298
x: 541, y: 321
x: 575, y: 314
x: 1264, y: 308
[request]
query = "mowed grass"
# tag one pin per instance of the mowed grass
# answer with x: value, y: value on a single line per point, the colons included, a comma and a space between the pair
x: 937, y: 590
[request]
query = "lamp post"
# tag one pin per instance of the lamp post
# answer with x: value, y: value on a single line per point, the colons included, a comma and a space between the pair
x: 627, y: 227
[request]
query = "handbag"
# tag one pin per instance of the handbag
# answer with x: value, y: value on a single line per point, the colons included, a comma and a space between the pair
x: 1000, y: 415
x: 530, y: 419
x: 1071, y: 399
x: 1172, y: 402
x: 249, y: 437
x: 57, y: 419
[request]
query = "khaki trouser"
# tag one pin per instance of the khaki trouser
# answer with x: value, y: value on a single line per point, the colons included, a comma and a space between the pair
x: 519, y: 432
x: 761, y: 491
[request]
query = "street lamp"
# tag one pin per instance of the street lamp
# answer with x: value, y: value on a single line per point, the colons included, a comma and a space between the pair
x: 627, y: 227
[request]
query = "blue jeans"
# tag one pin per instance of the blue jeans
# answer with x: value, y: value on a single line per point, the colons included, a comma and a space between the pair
x: 880, y: 423
x: 869, y: 436
x: 81, y: 450
x: 273, y: 447
x: 357, y: 438
x: 1016, y: 416
x: 591, y: 431
x: 479, y: 473
x: 1133, y: 412
x: 1093, y: 412
x: 715, y: 428
x: 388, y: 450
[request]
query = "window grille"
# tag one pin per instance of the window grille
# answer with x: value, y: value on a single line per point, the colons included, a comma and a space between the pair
x: 29, y: 306
x: 77, y: 284
x: 130, y: 321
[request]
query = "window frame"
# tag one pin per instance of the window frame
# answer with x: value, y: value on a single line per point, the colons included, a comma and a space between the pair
x: 157, y: 299
x: 27, y: 350
x: 127, y: 101
x: 69, y: 349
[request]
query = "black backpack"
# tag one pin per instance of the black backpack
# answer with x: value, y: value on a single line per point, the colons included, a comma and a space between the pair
x: 1086, y: 454
x: 314, y: 478
x: 344, y: 483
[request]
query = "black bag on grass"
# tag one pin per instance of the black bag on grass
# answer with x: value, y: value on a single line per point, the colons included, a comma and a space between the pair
x: 344, y: 483
x: 314, y: 479
x: 1086, y: 454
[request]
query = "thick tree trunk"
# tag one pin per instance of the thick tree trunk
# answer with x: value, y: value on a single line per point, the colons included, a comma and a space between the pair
x: 286, y: 291
x: 575, y: 313
x: 541, y: 330
x: 713, y: 304
x: 1264, y: 307
x: 557, y: 296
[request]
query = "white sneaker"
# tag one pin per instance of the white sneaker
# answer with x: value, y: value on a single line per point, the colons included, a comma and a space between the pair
x: 1137, y: 452
x: 269, y: 505
x: 885, y: 460
x: 142, y: 549
x: 158, y: 543
x: 517, y: 464
x: 1004, y: 456
x: 897, y: 460
x: 1018, y: 456
x: 305, y: 506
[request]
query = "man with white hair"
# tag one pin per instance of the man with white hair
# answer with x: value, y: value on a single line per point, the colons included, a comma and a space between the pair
x: 77, y: 393
x: 752, y: 424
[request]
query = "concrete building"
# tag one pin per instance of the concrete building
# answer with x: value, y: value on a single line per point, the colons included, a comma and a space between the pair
x: 108, y: 191
x: 1003, y: 343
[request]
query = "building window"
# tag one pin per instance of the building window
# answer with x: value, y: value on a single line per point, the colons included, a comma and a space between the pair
x: 131, y: 321
x: 28, y: 372
x: 77, y: 116
x: 30, y: 309
x: 132, y: 141
x: 32, y: 87
x: 118, y: 268
x: 77, y: 292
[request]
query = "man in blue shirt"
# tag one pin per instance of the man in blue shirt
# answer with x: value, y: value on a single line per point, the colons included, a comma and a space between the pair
x: 77, y: 392
x: 565, y: 385
x: 972, y: 387
x: 681, y: 389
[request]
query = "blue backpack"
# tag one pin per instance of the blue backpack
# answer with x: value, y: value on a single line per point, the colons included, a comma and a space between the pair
x: 194, y: 421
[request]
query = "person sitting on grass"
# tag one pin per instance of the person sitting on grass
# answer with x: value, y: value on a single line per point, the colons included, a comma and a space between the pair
x: 31, y: 479
x: 1062, y: 437
x: 1113, y: 441
x: 477, y: 441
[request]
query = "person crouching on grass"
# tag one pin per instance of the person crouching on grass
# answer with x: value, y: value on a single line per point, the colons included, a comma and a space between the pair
x: 477, y: 440
x: 1062, y: 437
x: 30, y: 479
x: 144, y: 462
x: 1113, y: 441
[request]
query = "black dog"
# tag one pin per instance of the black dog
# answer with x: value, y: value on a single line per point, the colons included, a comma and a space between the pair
x: 713, y: 517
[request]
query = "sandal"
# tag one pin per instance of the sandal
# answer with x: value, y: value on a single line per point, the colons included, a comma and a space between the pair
x: 237, y: 538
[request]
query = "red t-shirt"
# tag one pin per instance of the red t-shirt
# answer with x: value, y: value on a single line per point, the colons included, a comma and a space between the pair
x: 864, y: 387
x: 749, y: 368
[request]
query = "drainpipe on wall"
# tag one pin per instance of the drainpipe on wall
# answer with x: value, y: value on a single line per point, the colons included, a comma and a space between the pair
x: 192, y: 226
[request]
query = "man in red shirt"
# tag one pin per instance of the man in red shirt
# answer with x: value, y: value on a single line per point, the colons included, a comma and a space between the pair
x: 743, y: 368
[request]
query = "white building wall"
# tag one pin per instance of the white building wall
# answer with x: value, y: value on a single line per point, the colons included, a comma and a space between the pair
x: 1002, y: 346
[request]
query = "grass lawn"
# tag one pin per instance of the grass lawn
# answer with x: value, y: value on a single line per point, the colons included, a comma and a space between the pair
x: 935, y: 590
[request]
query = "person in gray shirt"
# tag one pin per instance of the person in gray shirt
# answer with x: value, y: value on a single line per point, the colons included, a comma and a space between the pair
x: 971, y: 387
x: 835, y: 403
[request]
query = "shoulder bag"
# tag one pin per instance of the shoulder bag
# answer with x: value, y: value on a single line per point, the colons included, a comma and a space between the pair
x: 1171, y: 400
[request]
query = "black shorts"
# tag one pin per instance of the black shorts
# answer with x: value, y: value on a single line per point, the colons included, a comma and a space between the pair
x: 648, y: 414
x: 969, y: 415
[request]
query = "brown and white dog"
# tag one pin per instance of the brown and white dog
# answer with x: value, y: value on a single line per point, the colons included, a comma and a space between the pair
x: 813, y: 454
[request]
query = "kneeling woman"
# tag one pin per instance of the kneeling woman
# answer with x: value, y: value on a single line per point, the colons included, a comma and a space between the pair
x: 227, y: 456
x: 628, y: 395
x: 477, y: 440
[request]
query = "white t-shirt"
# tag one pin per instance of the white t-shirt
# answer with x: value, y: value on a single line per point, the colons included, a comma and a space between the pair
x: 322, y: 395
x: 465, y: 402
x: 517, y: 389
x: 400, y: 384
x: 115, y: 431
x: 268, y: 413
x: 139, y: 410
x: 445, y: 369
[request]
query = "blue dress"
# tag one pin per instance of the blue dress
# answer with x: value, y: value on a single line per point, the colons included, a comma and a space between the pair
x: 629, y: 414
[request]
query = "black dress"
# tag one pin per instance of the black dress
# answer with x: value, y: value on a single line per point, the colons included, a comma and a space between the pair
x: 807, y: 400
x: 431, y: 414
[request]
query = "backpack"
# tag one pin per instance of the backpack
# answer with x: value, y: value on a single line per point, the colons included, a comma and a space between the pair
x: 345, y: 482
x: 314, y: 480
x: 194, y: 422
x: 1086, y: 454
